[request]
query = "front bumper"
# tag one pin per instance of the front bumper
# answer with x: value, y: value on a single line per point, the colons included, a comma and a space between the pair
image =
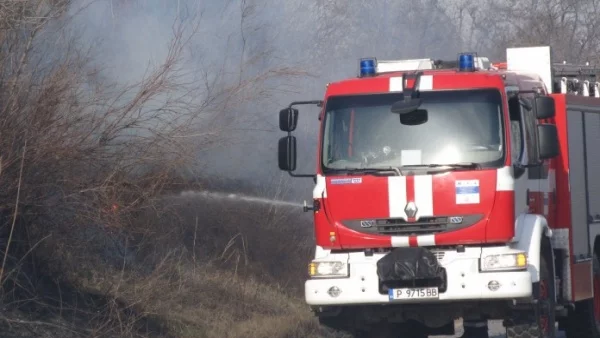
x: 465, y: 282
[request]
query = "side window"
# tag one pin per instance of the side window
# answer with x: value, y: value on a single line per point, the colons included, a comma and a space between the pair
x: 327, y: 153
x: 340, y: 135
x: 523, y: 125
x: 530, y: 135
x: 516, y: 130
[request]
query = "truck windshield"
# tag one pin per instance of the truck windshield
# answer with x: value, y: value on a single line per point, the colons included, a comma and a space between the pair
x: 461, y: 126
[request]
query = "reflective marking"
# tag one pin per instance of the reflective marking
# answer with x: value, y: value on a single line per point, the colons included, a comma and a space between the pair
x: 396, y: 84
x: 504, y: 179
x: 397, y: 196
x: 426, y: 240
x: 320, y: 189
x: 424, y: 195
x: 399, y: 241
x: 426, y: 83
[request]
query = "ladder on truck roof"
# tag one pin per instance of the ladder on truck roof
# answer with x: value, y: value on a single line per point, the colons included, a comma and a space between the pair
x: 576, y: 79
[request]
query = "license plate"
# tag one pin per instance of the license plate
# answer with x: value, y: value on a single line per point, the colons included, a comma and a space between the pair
x: 413, y: 293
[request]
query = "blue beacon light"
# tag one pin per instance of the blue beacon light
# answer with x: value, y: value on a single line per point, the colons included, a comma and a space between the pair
x: 466, y: 62
x: 368, y: 67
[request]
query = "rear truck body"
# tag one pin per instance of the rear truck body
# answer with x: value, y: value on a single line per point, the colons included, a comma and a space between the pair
x: 456, y: 190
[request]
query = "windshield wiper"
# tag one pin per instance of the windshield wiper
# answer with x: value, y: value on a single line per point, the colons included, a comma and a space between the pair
x: 462, y: 165
x: 371, y: 171
x: 384, y: 171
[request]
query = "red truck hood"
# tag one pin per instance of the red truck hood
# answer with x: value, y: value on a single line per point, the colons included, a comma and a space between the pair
x: 419, y: 210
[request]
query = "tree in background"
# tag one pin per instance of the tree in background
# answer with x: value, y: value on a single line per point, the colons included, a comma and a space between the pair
x: 82, y: 148
x: 571, y: 27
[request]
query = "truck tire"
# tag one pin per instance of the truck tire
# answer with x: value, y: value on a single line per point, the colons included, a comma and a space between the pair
x: 476, y: 332
x: 584, y: 321
x: 341, y: 324
x: 540, y: 321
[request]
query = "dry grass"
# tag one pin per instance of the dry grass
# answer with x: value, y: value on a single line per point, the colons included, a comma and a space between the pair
x: 200, y: 267
x: 239, y: 272
x: 202, y: 301
x: 186, y: 266
x: 92, y: 244
x: 180, y: 269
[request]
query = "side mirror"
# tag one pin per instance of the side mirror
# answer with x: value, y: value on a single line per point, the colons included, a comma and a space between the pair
x: 544, y: 107
x: 287, y: 153
x: 406, y: 106
x: 288, y: 119
x: 548, y: 141
x: 414, y: 118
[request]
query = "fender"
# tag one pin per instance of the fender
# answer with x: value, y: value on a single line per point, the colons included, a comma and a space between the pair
x: 320, y: 252
x: 529, y: 229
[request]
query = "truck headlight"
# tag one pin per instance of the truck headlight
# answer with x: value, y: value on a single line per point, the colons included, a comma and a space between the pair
x: 512, y: 261
x: 318, y: 269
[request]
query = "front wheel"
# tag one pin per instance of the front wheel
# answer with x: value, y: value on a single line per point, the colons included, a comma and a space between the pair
x: 475, y: 330
x: 350, y: 325
x: 540, y: 321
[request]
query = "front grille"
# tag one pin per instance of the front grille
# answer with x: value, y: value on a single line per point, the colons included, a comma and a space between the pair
x: 422, y: 226
x: 425, y: 225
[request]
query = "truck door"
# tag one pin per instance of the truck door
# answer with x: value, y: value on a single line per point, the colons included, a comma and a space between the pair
x: 524, y: 154
x: 537, y: 173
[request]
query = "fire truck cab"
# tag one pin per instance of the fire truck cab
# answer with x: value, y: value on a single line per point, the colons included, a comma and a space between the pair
x: 463, y: 189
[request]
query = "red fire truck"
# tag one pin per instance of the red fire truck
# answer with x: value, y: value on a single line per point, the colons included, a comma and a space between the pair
x: 461, y: 189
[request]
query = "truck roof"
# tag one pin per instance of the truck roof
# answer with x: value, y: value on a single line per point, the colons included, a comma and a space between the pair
x: 525, y: 69
x: 444, y: 79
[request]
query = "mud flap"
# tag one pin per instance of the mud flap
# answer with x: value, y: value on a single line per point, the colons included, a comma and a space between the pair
x: 409, y: 264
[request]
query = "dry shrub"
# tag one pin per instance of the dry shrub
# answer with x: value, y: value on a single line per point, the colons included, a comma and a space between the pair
x: 207, y: 267
x: 84, y: 227
x: 259, y: 237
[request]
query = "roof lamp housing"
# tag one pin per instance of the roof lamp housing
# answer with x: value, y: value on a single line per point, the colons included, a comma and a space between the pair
x: 466, y: 62
x: 368, y: 67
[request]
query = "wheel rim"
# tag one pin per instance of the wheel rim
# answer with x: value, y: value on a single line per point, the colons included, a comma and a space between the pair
x: 544, y: 325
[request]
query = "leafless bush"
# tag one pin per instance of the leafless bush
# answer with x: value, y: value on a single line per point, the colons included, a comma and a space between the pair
x: 82, y: 159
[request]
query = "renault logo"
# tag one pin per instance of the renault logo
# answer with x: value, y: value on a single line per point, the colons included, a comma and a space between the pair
x: 367, y: 224
x: 411, y: 209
